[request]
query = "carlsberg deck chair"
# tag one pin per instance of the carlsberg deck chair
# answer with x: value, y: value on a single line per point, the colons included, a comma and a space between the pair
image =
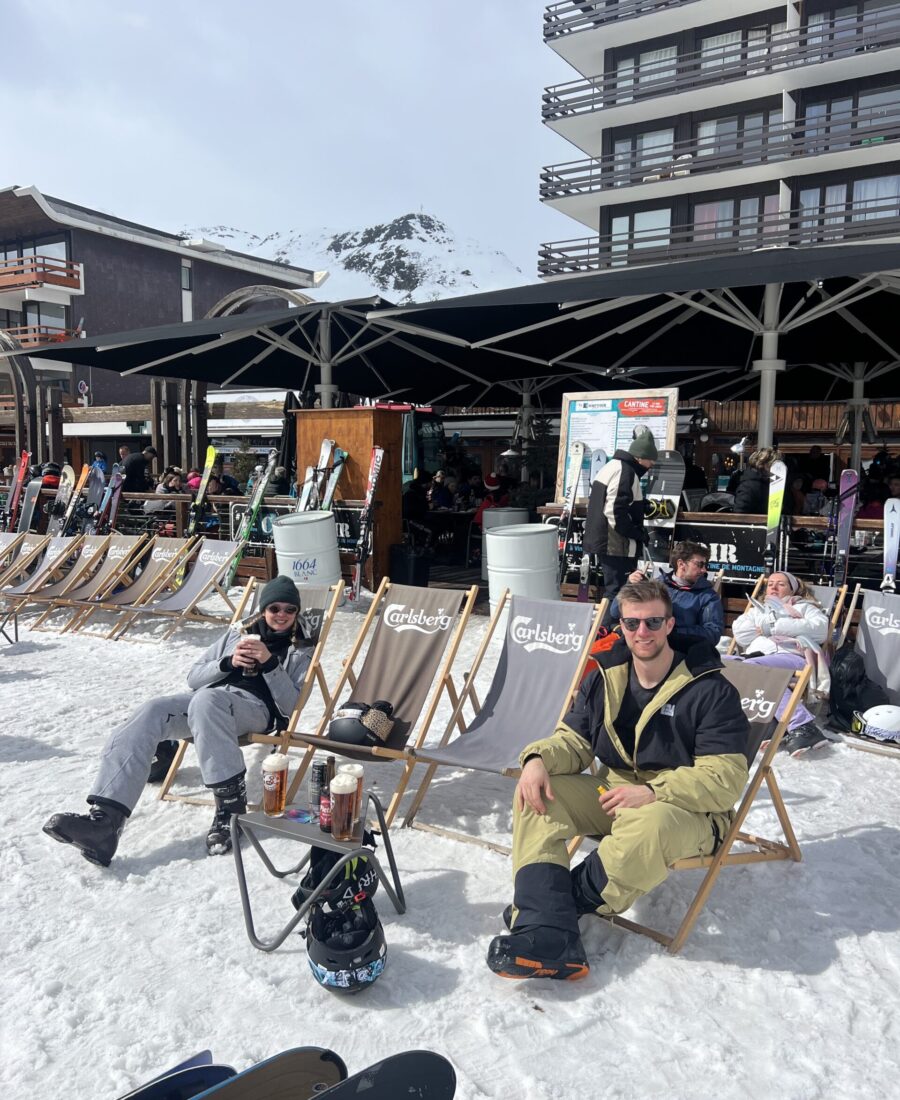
x: 90, y: 554
x: 209, y: 574
x: 545, y: 652
x: 761, y: 690
x: 319, y: 606
x: 415, y: 637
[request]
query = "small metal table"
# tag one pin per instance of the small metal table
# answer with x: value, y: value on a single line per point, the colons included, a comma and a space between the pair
x: 251, y: 824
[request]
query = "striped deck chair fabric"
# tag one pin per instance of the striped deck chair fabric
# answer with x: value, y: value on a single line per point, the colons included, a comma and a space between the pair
x: 25, y: 552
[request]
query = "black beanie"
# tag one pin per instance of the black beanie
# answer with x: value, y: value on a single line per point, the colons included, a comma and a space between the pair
x: 279, y: 590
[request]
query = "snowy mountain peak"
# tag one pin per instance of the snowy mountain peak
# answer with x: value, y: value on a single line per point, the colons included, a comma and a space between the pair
x: 412, y: 258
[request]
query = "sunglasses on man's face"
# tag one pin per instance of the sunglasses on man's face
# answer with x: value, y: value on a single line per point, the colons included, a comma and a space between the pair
x: 652, y: 622
x: 282, y: 609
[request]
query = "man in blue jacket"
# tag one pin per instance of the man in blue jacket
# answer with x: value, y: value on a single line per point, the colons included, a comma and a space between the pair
x: 698, y: 611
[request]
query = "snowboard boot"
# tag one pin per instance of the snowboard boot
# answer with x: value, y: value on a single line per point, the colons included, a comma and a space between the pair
x: 588, y: 880
x: 231, y: 798
x: 799, y: 741
x: 95, y: 834
x: 162, y: 761
x: 539, y: 952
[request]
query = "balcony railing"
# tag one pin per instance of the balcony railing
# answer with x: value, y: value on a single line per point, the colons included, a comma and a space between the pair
x: 796, y: 228
x: 839, y: 38
x: 35, y: 336
x: 848, y: 130
x: 25, y: 271
x: 575, y: 15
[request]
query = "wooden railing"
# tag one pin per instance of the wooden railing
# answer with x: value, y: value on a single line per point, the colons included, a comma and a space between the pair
x: 822, y: 418
x: 570, y: 16
x: 34, y: 336
x: 24, y: 271
x: 831, y: 41
x: 838, y: 132
x: 795, y: 228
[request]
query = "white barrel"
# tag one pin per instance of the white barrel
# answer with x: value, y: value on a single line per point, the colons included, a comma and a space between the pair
x: 524, y: 559
x: 306, y: 548
x: 499, y: 517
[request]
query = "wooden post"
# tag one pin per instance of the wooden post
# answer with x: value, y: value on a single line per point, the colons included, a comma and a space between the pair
x: 184, y: 388
x: 55, y: 451
x: 156, y: 436
x: 199, y: 420
x: 170, y: 423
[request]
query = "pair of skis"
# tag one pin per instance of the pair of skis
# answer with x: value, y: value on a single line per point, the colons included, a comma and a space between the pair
x: 11, y: 508
x: 248, y: 519
x: 321, y: 480
x: 364, y: 542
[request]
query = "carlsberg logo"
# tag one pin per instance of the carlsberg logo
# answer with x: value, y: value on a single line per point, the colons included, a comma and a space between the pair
x: 882, y: 620
x: 759, y: 707
x: 213, y: 557
x: 399, y: 617
x: 544, y: 637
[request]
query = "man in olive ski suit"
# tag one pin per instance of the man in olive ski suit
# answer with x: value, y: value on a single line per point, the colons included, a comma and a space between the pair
x: 670, y: 734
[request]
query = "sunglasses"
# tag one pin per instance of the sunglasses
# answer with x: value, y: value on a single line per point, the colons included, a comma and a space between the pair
x: 699, y: 564
x: 283, y: 609
x: 652, y: 622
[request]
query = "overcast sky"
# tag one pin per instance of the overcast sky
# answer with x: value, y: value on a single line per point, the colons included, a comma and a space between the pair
x: 288, y: 114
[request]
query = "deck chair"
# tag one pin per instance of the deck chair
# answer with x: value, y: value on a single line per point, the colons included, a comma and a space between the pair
x: 24, y: 549
x: 761, y: 690
x: 162, y: 561
x: 415, y: 637
x: 754, y: 595
x: 209, y: 574
x: 90, y: 555
x: 116, y: 568
x: 57, y: 555
x: 832, y: 600
x: 876, y: 639
x: 319, y: 606
x: 545, y: 652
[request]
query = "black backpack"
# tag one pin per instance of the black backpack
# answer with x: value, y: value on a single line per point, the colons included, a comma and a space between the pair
x: 851, y: 688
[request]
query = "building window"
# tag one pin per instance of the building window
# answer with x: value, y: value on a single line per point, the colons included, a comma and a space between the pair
x: 876, y: 198
x: 637, y: 156
x: 643, y: 70
x: 187, y: 275
x: 644, y: 229
x: 45, y: 315
x: 840, y: 122
x: 748, y: 219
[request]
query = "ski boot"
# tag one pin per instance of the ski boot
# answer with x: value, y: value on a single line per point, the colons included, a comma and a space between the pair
x: 539, y: 952
x: 95, y: 834
x: 231, y: 798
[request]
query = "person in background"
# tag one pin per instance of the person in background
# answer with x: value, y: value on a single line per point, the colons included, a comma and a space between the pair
x: 873, y: 494
x: 124, y: 452
x: 228, y: 485
x: 614, y: 526
x: 494, y: 497
x: 99, y: 462
x: 137, y: 471
x: 170, y: 483
x: 816, y: 498
x: 439, y: 495
x: 414, y: 499
x: 698, y: 611
x: 279, y: 484
x: 752, y: 492
x: 798, y: 496
x: 893, y: 484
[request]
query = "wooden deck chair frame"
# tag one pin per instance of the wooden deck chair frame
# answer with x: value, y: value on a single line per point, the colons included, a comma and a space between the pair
x: 47, y: 571
x: 757, y: 588
x: 31, y: 547
x: 82, y: 568
x: 760, y: 851
x: 280, y: 739
x: 10, y: 542
x: 163, y: 577
x: 848, y: 617
x: 444, y: 683
x: 188, y: 614
x: 468, y: 695
x: 104, y: 580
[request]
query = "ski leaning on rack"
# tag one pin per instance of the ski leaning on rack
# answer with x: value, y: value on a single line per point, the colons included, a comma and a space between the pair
x: 848, y: 490
x: 242, y: 533
x: 598, y: 461
x: 665, y: 482
x: 310, y: 491
x: 364, y: 542
x: 198, y: 507
x: 105, y: 519
x: 891, y: 543
x: 11, y: 507
x: 29, y: 503
x: 777, y: 482
x: 577, y: 454
x: 59, y: 525
x: 338, y: 461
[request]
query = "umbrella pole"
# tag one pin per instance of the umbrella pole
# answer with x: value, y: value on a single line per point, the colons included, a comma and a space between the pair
x: 326, y: 390
x: 769, y: 366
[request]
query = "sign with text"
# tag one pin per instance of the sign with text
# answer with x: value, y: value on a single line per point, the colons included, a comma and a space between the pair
x: 735, y: 549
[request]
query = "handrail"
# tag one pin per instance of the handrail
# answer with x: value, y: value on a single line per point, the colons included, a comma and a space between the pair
x: 794, y: 228
x: 39, y: 269
x: 574, y: 15
x: 845, y: 130
x: 32, y: 336
x: 783, y: 50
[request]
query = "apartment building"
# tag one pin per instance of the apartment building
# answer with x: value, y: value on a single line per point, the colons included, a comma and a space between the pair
x: 710, y: 127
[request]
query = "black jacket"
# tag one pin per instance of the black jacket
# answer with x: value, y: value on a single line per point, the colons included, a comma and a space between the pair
x: 614, y: 526
x: 752, y: 493
x: 135, y: 470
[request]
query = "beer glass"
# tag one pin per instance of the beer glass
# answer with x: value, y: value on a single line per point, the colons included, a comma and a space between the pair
x: 275, y: 784
x: 343, y: 795
x: 357, y: 771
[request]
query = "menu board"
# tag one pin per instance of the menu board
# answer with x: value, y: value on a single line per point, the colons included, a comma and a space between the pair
x: 609, y: 421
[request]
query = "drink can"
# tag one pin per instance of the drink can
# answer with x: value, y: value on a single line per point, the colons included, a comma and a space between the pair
x: 275, y: 784
x: 317, y: 780
x: 358, y: 773
x: 343, y: 798
x: 325, y: 810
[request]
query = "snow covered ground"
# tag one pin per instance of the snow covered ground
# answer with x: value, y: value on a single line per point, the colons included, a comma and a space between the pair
x: 787, y: 988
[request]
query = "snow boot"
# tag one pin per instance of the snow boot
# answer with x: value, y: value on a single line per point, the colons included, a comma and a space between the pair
x: 799, y: 741
x: 95, y: 834
x: 539, y: 952
x: 162, y: 761
x: 231, y: 798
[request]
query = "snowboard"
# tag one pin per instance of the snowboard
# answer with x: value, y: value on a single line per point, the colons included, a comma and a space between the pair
x: 847, y: 493
x: 29, y: 503
x: 61, y: 523
x: 304, y: 1073
x: 572, y: 471
x: 891, y: 542
x: 183, y: 1082
x: 11, y: 507
x: 665, y: 482
x: 364, y: 542
x: 598, y: 461
x: 777, y: 483
x: 105, y: 519
x: 96, y: 486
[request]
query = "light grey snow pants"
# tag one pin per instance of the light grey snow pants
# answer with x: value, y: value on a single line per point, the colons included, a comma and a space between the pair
x: 213, y: 717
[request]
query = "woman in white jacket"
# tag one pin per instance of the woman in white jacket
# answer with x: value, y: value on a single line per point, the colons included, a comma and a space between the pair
x: 774, y: 634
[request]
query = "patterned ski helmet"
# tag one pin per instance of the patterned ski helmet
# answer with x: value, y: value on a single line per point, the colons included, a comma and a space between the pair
x: 347, y: 950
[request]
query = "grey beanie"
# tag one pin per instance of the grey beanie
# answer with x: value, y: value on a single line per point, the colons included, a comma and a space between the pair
x: 279, y: 590
x: 644, y: 447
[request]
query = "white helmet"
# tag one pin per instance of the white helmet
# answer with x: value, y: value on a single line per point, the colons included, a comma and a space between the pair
x: 881, y: 722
